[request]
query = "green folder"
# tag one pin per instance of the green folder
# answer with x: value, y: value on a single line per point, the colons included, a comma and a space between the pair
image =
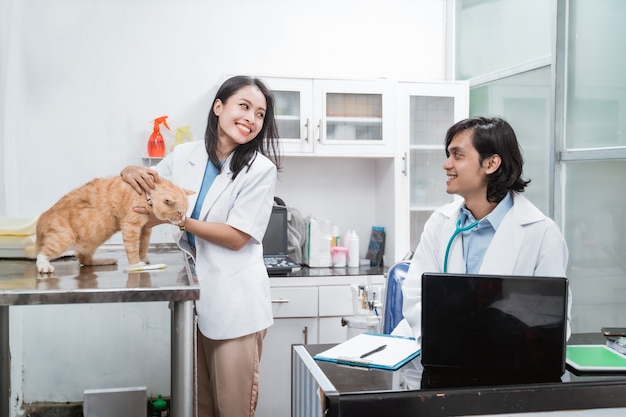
x: 595, y: 358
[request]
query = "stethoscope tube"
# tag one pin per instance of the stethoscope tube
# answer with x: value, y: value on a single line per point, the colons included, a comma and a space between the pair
x: 458, y: 229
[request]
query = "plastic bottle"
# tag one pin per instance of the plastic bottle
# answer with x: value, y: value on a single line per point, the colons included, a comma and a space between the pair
x: 160, y: 408
x: 156, y: 144
x: 352, y: 242
x: 335, y: 236
x: 182, y: 135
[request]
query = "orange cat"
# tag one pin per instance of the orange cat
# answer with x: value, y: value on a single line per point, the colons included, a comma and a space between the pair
x: 88, y: 216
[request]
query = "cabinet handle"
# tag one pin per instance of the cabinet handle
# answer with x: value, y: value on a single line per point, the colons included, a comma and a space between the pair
x: 319, y: 131
x: 305, y: 332
x: 306, y: 131
x: 280, y: 301
x: 404, y: 167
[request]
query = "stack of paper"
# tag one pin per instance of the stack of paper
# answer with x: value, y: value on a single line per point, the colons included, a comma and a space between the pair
x: 373, y: 350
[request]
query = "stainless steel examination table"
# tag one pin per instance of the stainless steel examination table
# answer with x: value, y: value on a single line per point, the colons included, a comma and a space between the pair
x: 20, y: 285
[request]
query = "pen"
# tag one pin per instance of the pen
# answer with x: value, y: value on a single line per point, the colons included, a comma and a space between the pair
x: 371, y: 352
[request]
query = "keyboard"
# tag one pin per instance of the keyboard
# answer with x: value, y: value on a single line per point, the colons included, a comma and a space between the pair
x: 280, y: 265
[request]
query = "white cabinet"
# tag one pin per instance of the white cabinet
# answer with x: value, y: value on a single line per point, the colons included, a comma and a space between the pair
x: 335, y: 303
x: 306, y: 310
x: 425, y: 111
x: 334, y: 117
x: 275, y: 369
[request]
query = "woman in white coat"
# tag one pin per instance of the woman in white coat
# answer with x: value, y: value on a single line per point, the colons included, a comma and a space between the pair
x: 233, y: 172
x: 505, y: 234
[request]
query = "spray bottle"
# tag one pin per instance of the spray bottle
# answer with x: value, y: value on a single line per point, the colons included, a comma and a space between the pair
x: 156, y: 144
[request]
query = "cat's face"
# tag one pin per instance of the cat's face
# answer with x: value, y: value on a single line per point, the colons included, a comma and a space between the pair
x: 169, y: 202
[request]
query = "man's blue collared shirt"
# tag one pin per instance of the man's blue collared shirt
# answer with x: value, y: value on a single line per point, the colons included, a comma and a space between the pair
x: 477, y: 240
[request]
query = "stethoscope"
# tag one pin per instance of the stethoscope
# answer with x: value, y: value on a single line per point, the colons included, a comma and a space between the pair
x: 458, y: 229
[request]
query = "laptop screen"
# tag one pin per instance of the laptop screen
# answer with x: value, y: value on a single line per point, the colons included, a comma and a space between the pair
x: 275, y: 240
x: 494, y: 324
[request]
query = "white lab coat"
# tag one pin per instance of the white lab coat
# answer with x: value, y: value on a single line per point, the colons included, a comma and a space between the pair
x: 527, y: 242
x: 234, y: 285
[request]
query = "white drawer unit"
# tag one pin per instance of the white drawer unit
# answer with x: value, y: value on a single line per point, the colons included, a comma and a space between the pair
x: 294, y: 302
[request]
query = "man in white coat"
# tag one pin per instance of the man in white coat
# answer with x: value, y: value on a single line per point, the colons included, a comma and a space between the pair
x: 492, y: 229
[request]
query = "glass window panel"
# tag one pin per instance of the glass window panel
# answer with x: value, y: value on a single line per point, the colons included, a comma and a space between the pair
x: 354, y: 116
x: 596, y: 86
x: 287, y: 105
x: 418, y: 219
x: 595, y: 227
x: 524, y: 101
x: 430, y: 118
x: 428, y: 179
x: 495, y: 34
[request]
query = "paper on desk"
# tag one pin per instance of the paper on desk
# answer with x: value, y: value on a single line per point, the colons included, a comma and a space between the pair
x: 595, y: 358
x: 398, y: 351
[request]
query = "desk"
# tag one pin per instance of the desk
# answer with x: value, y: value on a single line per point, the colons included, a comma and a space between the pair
x: 326, y: 389
x: 20, y: 284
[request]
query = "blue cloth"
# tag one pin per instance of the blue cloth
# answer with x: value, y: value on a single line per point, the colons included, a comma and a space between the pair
x: 477, y: 240
x: 210, y: 173
x: 393, y: 296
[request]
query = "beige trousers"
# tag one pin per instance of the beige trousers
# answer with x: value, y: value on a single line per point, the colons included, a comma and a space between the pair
x: 228, y: 375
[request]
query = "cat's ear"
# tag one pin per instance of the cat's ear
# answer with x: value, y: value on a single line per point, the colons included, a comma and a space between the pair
x: 189, y: 192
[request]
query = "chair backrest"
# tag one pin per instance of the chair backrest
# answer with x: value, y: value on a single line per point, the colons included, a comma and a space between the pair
x: 393, y: 295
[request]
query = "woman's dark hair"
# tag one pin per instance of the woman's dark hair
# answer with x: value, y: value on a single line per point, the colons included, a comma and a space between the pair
x: 495, y: 136
x: 266, y: 142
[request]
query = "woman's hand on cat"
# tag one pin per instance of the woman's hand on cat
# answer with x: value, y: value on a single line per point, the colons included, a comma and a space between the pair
x: 140, y: 178
x: 152, y: 219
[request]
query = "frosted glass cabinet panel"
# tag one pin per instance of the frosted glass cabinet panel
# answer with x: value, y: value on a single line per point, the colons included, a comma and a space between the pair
x: 333, y: 117
x: 294, y: 113
x: 354, y: 116
x: 427, y: 110
x: 288, y: 115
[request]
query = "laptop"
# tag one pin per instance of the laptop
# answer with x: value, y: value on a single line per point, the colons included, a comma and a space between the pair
x: 275, y: 244
x: 509, y: 327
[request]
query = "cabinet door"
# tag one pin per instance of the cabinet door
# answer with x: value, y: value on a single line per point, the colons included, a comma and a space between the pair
x: 294, y: 113
x: 427, y: 110
x: 352, y: 117
x: 275, y: 367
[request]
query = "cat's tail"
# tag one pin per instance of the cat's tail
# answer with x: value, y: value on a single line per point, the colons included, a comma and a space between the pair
x: 31, y: 251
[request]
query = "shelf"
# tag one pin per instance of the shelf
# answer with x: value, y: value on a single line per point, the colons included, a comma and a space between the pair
x: 354, y: 119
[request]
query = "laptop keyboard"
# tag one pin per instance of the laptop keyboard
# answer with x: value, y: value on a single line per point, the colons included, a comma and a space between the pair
x: 278, y: 262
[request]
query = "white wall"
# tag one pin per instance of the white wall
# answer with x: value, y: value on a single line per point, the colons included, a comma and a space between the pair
x: 82, y: 81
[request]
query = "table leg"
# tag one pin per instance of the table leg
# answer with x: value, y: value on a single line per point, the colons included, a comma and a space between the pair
x: 5, y: 362
x: 182, y: 359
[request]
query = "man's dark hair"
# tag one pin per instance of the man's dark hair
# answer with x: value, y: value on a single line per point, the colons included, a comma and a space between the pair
x: 493, y: 135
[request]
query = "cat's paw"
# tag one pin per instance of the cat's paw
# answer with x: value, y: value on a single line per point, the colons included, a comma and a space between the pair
x: 45, y: 268
x: 137, y: 265
x: 43, y: 265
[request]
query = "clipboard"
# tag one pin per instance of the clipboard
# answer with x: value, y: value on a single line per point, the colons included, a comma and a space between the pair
x: 593, y: 358
x: 366, y: 350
